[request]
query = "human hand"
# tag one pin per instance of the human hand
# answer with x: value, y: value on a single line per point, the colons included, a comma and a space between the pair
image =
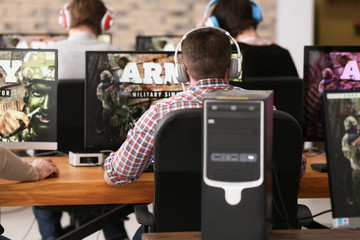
x: 108, y: 180
x: 45, y: 167
x: 357, y: 141
x: 9, y: 122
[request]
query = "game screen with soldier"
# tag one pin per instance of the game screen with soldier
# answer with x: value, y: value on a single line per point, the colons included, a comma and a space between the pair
x: 342, y: 118
x: 119, y: 88
x: 28, y: 98
x: 38, y: 41
x: 157, y: 43
x: 326, y: 68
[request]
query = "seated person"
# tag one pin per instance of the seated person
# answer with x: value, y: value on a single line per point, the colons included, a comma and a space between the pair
x: 240, y: 18
x: 203, y: 45
x: 14, y: 168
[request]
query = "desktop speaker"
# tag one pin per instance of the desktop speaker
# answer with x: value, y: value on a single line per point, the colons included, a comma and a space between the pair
x: 236, y: 170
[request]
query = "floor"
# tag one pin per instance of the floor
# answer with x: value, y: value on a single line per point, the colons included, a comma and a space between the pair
x: 20, y: 224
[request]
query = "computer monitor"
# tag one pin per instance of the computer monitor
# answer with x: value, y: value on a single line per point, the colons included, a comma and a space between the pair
x: 157, y: 43
x: 341, y: 117
x: 38, y: 40
x: 326, y: 67
x: 119, y: 88
x: 288, y: 92
x: 28, y: 94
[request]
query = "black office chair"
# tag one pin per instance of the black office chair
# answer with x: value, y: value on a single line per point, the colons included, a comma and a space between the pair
x: 287, y: 154
x: 177, y: 170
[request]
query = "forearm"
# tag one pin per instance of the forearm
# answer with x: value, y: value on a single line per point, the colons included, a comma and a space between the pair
x: 14, y: 168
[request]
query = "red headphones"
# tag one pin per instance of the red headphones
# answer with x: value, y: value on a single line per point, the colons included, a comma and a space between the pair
x: 65, y: 19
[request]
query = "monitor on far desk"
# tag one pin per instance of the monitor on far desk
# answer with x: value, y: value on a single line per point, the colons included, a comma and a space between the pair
x: 341, y: 117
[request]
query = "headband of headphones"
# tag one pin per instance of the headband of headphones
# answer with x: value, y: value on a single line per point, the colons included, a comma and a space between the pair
x: 65, y: 19
x: 235, y: 71
x: 213, y: 22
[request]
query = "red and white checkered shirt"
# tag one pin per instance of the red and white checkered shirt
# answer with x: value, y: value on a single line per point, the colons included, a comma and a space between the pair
x: 136, y: 153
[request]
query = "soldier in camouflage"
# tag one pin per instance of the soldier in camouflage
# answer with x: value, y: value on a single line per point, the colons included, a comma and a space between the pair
x: 38, y: 118
x: 351, y: 151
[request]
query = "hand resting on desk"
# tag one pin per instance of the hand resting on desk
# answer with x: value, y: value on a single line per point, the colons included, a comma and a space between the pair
x: 45, y: 167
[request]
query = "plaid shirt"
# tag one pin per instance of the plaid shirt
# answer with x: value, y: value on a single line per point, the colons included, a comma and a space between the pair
x: 136, y: 153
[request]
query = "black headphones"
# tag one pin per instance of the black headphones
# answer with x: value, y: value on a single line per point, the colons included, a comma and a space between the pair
x: 235, y: 71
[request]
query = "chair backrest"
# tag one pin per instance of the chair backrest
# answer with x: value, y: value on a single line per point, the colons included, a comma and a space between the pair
x: 287, y: 154
x: 288, y: 92
x: 177, y: 169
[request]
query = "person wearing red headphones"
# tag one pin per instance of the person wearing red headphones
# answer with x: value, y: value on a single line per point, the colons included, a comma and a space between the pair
x: 85, y: 20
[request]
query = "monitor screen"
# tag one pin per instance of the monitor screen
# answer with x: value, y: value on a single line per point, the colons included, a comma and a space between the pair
x: 341, y: 117
x: 28, y: 99
x: 119, y: 88
x: 38, y: 40
x: 288, y: 92
x: 326, y: 67
x: 157, y: 43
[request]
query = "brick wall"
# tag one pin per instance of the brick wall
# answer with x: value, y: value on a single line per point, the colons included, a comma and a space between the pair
x: 132, y: 17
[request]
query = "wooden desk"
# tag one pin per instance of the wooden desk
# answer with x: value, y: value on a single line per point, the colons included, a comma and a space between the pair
x: 85, y: 185
x: 75, y: 186
x: 314, y: 184
x: 314, y: 234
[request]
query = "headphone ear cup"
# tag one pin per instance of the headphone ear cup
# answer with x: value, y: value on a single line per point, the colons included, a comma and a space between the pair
x: 212, y: 22
x: 182, y: 76
x: 256, y: 12
x: 235, y: 70
x: 65, y: 18
x: 107, y: 21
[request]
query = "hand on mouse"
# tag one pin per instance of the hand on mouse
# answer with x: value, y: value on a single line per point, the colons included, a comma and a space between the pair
x: 45, y: 167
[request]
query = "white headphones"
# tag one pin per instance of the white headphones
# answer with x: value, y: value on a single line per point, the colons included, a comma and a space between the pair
x: 235, y: 71
x: 65, y: 19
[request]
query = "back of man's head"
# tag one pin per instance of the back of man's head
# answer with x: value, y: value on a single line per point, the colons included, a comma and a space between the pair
x: 206, y: 53
x: 87, y: 12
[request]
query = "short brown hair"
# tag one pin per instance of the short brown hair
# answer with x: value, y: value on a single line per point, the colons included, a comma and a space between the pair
x: 87, y: 12
x: 235, y: 16
x: 206, y: 53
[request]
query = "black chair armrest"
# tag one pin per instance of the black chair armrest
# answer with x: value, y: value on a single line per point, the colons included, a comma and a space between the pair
x: 144, y: 217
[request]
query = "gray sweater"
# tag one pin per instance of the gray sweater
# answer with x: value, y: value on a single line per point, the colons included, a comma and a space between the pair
x: 14, y: 168
x: 71, y: 53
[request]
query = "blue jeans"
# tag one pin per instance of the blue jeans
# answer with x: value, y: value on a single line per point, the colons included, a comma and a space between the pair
x: 138, y: 233
x: 50, y: 226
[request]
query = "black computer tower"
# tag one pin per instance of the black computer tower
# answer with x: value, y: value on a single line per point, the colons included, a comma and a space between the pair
x: 236, y: 170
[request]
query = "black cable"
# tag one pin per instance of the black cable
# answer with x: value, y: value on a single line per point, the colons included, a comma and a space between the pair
x: 286, y: 219
x: 50, y: 153
x: 28, y: 231
x: 309, y: 217
x: 316, y: 215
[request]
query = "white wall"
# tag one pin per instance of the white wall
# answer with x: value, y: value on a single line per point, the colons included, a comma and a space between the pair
x: 295, y: 28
